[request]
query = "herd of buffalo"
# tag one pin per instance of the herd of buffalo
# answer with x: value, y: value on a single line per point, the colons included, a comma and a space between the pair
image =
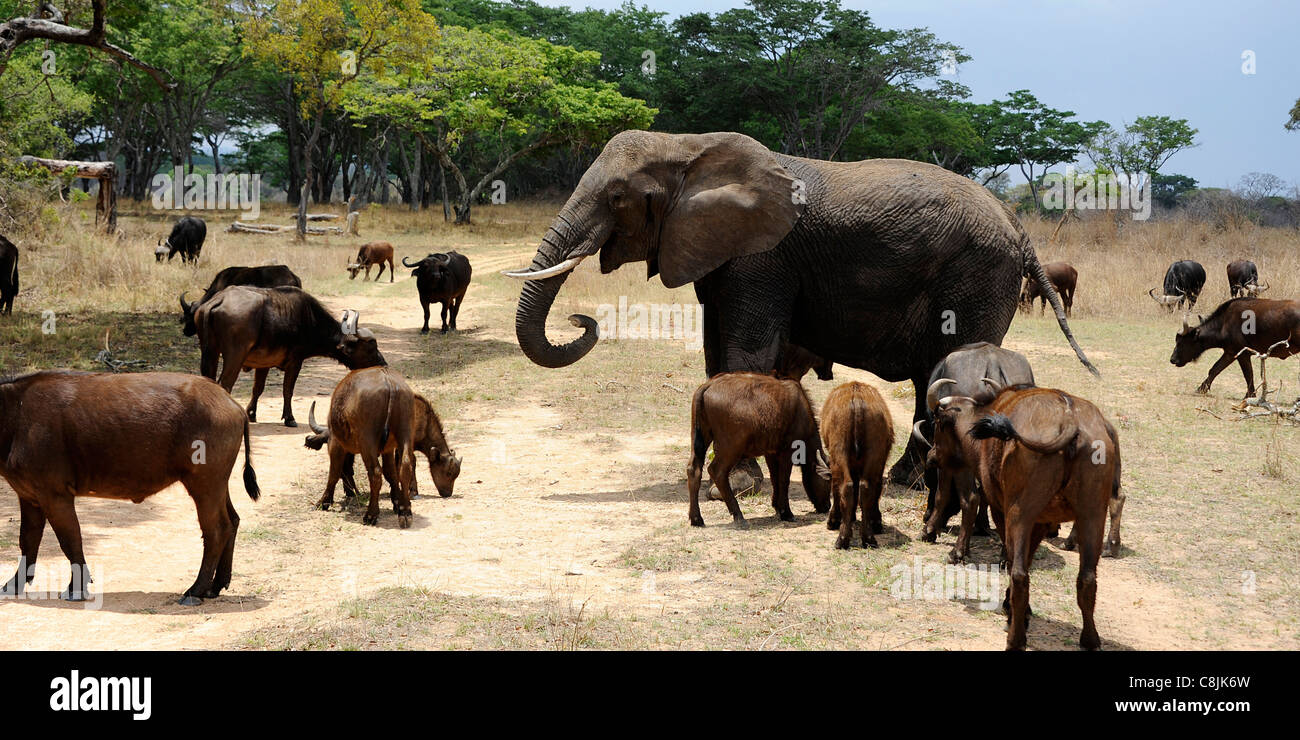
x: 1032, y: 457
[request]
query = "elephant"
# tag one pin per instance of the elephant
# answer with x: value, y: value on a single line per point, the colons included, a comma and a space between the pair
x: 886, y: 265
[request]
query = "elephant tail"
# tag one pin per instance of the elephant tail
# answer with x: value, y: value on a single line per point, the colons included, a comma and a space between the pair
x: 1034, y: 270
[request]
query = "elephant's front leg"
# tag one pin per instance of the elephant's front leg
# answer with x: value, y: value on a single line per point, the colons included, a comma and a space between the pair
x: 910, y: 468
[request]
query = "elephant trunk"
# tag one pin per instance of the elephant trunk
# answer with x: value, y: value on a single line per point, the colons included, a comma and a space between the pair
x: 558, y: 248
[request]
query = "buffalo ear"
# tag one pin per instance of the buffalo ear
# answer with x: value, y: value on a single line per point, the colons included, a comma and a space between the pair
x: 735, y: 199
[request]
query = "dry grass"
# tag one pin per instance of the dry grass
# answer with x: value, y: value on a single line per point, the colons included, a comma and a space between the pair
x: 1118, y: 266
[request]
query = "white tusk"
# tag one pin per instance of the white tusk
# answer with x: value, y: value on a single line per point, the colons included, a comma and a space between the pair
x: 563, y: 267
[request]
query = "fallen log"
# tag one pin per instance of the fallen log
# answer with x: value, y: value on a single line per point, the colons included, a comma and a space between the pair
x: 247, y: 228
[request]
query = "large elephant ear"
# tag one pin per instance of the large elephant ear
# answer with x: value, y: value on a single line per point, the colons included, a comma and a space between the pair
x: 735, y: 199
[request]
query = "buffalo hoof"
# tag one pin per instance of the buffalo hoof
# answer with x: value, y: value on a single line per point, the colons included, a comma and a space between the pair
x: 956, y: 558
x: 696, y: 521
x: 404, y: 521
x: 370, y: 519
x: 1202, y: 391
x: 1090, y: 640
x: 188, y: 600
x: 868, y: 541
x: 290, y: 422
x: 832, y: 524
x: 252, y: 417
x: 786, y: 516
x: 929, y: 536
x: 425, y: 330
x: 70, y: 595
x: 1110, y: 550
x: 440, y: 493
x: 324, y: 505
x: 843, y: 542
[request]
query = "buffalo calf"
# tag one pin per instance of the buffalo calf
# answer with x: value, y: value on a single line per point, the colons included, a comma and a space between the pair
x: 444, y: 465
x: 374, y: 253
x: 744, y: 415
x: 126, y: 437
x: 371, y: 415
x: 857, y: 433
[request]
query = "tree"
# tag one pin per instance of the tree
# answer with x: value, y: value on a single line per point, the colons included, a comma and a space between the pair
x: 818, y: 69
x: 48, y: 23
x: 1293, y: 123
x: 517, y: 96
x: 1169, y: 191
x: 1036, y: 137
x: 325, y: 45
x: 1142, y: 147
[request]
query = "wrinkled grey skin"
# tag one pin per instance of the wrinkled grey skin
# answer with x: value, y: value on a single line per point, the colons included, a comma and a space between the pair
x: 884, y: 265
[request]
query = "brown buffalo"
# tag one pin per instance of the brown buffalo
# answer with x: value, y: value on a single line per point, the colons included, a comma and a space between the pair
x: 374, y: 253
x: 444, y: 465
x: 371, y: 414
x: 262, y: 328
x: 126, y: 437
x: 857, y: 433
x: 1062, y: 276
x: 1043, y: 457
x: 1240, y: 326
x: 744, y: 415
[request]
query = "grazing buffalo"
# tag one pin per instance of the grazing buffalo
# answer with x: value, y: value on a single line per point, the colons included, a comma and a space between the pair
x: 428, y: 437
x: 857, y: 433
x: 1183, y: 282
x: 1243, y: 279
x: 127, y: 437
x: 266, y: 276
x: 1240, y: 326
x: 745, y: 415
x: 1062, y: 276
x: 1042, y: 457
x: 261, y: 328
x: 371, y: 414
x: 186, y: 238
x: 966, y: 371
x: 441, y: 278
x: 8, y: 275
x: 374, y: 253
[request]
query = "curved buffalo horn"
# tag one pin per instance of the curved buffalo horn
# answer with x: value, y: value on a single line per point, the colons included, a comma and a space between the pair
x: 349, y: 321
x: 1261, y: 288
x: 311, y: 419
x: 932, y: 394
x: 559, y: 269
x: 1152, y: 293
x: 184, y: 306
x: 995, y: 385
x: 1186, y: 326
x: 918, y: 435
x: 443, y: 258
x: 408, y: 264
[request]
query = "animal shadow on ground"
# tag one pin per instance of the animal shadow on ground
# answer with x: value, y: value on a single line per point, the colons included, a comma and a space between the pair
x: 161, y: 603
x: 354, y: 510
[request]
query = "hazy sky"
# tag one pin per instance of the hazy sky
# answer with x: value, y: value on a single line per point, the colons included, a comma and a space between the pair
x: 1113, y: 61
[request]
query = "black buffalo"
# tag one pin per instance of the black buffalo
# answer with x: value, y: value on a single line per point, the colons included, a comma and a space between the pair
x: 1243, y: 279
x: 441, y: 278
x: 266, y: 276
x: 966, y: 371
x: 186, y: 239
x: 261, y: 328
x: 8, y: 275
x: 1183, y: 282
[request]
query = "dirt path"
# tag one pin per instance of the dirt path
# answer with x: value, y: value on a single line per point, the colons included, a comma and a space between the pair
x: 537, y: 518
